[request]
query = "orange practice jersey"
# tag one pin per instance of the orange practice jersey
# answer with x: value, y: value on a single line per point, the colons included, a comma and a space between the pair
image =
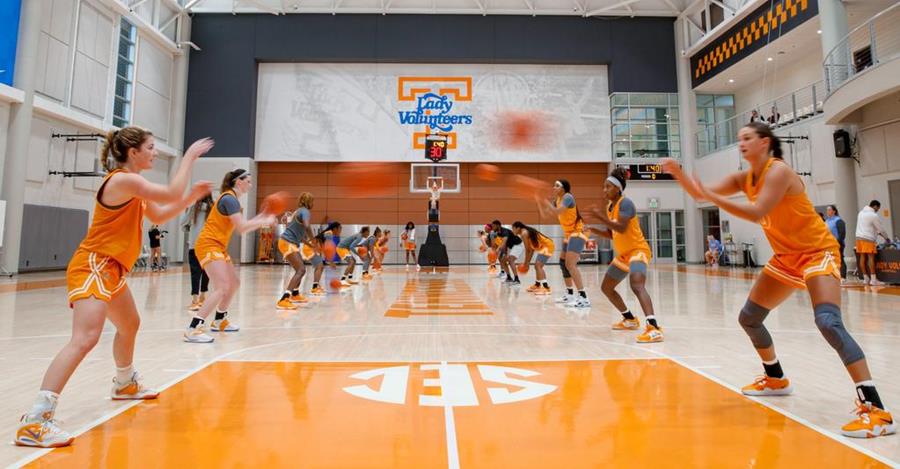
x: 568, y: 219
x: 793, y: 226
x: 544, y: 246
x: 218, y: 227
x: 632, y: 238
x: 116, y: 231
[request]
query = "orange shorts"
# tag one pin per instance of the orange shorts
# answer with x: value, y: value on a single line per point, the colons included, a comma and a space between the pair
x: 286, y: 248
x: 208, y: 252
x: 866, y: 247
x: 410, y: 245
x: 623, y: 261
x: 93, y: 275
x: 796, y: 269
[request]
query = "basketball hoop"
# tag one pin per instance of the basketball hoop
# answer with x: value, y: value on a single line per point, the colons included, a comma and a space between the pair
x: 422, y: 176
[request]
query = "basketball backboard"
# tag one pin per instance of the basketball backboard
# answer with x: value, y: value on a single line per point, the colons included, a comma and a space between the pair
x: 423, y: 175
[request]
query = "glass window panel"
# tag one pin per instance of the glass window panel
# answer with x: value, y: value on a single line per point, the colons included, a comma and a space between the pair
x: 665, y: 248
x: 620, y: 131
x: 680, y: 254
x: 679, y: 218
x: 679, y: 235
x: 724, y: 101
x: 665, y: 225
x: 621, y: 150
x: 620, y: 99
x: 620, y: 114
x: 649, y: 99
x: 705, y: 100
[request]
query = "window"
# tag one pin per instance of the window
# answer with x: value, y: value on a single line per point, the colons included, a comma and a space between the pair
x: 715, y: 122
x: 124, y: 74
x: 645, y: 125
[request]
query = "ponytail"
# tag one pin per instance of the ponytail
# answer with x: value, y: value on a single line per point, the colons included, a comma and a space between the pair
x: 230, y: 178
x: 114, y: 151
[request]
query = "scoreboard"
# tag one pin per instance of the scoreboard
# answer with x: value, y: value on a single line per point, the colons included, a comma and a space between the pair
x: 646, y: 172
x: 436, y: 147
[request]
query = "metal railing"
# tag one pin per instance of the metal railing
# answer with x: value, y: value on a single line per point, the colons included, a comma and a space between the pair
x: 867, y: 45
x: 785, y: 110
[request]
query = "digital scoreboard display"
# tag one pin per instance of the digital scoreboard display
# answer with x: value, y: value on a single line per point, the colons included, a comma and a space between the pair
x: 436, y: 147
x: 646, y: 172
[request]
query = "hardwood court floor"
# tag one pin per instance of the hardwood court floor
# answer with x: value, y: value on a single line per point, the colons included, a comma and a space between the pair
x: 369, y: 378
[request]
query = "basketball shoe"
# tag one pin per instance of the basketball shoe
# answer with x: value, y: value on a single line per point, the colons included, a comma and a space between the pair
x: 627, y: 325
x: 870, y: 422
x: 41, y: 431
x: 285, y: 303
x: 650, y: 335
x: 768, y: 386
x: 132, y: 390
x: 224, y: 325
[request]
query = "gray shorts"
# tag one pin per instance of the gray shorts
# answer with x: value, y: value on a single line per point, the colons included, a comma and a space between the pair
x: 541, y: 258
x: 618, y: 274
x: 574, y: 244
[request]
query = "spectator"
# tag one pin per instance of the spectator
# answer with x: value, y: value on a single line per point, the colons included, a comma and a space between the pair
x: 868, y: 228
x: 713, y: 251
x: 773, y: 119
x: 155, y: 249
x: 839, y: 230
x: 755, y: 117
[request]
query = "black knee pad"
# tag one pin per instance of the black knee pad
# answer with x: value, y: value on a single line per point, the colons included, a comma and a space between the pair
x: 830, y: 324
x: 565, y: 270
x: 751, y: 319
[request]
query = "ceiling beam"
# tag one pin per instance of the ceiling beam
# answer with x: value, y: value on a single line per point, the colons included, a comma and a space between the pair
x: 610, y: 7
x: 672, y: 6
x: 724, y: 6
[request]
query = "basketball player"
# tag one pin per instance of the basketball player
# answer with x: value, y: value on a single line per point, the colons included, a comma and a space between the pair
x: 574, y: 239
x: 346, y: 250
x: 212, y: 250
x: 511, y: 249
x: 805, y: 256
x: 96, y: 274
x: 381, y: 250
x: 324, y: 236
x: 408, y: 237
x: 536, y: 243
x: 488, y: 241
x: 193, y: 222
x: 633, y: 256
x: 369, y: 244
x: 296, y: 245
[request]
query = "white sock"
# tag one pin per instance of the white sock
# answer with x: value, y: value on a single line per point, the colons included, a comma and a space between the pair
x: 867, y: 382
x: 770, y: 362
x: 124, y: 375
x: 44, y: 403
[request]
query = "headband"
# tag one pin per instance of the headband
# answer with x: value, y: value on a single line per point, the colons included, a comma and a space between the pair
x: 614, y: 181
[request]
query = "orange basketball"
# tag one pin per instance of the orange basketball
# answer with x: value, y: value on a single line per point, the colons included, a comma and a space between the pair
x: 383, y: 249
x: 528, y: 187
x: 335, y: 283
x: 404, y: 237
x: 482, y: 248
x: 523, y: 268
x: 362, y: 251
x: 329, y: 249
x: 487, y: 172
x: 522, y: 130
x: 277, y: 203
x: 492, y: 256
x: 366, y: 179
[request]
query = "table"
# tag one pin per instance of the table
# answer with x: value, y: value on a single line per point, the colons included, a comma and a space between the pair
x: 887, y: 265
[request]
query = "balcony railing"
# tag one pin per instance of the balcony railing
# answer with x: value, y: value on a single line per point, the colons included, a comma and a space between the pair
x: 793, y: 107
x: 867, y: 45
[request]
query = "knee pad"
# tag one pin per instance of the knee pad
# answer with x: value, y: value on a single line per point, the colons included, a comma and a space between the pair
x: 751, y: 319
x: 565, y: 270
x: 830, y: 324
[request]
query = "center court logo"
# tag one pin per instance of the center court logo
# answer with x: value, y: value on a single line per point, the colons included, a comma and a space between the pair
x: 435, y: 102
x: 457, y: 388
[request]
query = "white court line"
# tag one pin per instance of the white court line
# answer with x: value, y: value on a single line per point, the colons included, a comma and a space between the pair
x: 450, y: 431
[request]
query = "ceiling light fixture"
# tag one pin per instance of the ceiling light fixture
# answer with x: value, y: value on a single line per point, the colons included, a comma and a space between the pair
x: 731, y: 80
x: 770, y: 59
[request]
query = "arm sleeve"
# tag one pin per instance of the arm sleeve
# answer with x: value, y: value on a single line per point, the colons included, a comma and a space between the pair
x: 627, y: 210
x: 228, y: 205
x: 568, y: 201
x: 842, y: 231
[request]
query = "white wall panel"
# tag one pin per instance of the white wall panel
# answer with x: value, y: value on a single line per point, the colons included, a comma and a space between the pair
x: 155, y: 69
x: 352, y: 112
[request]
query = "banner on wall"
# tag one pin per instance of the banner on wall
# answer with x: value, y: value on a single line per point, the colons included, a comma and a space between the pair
x: 383, y: 112
x: 9, y: 34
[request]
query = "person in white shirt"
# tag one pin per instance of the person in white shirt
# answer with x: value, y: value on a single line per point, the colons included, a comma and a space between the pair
x: 868, y: 229
x: 408, y: 239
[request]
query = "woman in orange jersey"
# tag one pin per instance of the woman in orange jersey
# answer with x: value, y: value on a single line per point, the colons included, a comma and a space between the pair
x: 536, y: 243
x: 212, y: 249
x: 574, y: 239
x: 632, y: 256
x: 96, y: 273
x: 381, y: 250
x: 805, y: 256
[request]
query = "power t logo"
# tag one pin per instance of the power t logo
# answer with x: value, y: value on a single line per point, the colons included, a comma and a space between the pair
x: 435, y: 101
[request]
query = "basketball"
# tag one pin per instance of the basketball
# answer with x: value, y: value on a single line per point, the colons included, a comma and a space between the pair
x: 329, y: 249
x: 404, y: 237
x: 277, y: 203
x: 366, y: 179
x: 362, y: 251
x: 487, y: 172
x: 526, y: 187
x: 482, y: 248
x: 522, y: 130
x: 383, y: 249
x: 523, y: 268
x: 335, y: 283
x: 492, y: 256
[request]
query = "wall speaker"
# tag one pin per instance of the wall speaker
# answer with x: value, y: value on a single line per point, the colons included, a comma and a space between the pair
x: 842, y: 144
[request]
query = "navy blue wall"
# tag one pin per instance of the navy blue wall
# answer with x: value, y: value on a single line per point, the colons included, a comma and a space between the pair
x: 9, y: 33
x: 640, y: 53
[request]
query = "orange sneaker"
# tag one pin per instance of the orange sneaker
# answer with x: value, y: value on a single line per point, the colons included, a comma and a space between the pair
x: 298, y: 299
x: 132, y: 390
x: 285, y: 304
x: 42, y: 432
x: 651, y: 334
x: 195, y: 306
x: 541, y: 291
x: 768, y: 386
x: 366, y: 276
x: 627, y: 325
x: 870, y: 422
x: 318, y: 291
x: 533, y: 288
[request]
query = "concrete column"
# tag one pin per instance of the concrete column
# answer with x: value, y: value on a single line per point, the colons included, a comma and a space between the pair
x: 833, y: 22
x: 687, y: 119
x: 176, y: 117
x: 13, y: 188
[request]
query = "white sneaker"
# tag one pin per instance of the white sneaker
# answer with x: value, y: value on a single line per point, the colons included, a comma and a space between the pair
x: 565, y: 298
x: 223, y: 326
x: 197, y: 336
x: 132, y: 390
x: 418, y: 267
x: 876, y: 283
x: 41, y: 432
x: 579, y: 302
